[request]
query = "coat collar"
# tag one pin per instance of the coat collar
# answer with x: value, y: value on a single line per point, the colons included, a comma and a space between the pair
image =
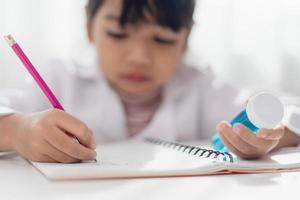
x: 163, y: 124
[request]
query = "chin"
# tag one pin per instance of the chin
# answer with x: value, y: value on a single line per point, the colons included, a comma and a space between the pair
x: 137, y: 90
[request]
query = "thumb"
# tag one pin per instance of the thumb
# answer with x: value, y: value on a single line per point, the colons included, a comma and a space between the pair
x: 271, y: 134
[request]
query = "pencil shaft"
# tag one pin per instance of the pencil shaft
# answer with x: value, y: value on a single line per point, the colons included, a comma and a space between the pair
x: 29, y: 66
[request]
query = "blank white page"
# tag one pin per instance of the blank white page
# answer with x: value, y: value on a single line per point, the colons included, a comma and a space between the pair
x: 133, y: 159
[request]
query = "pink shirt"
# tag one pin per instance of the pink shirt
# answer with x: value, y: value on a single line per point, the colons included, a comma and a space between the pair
x: 139, y: 110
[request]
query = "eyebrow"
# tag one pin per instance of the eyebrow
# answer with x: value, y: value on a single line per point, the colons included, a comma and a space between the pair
x: 112, y: 17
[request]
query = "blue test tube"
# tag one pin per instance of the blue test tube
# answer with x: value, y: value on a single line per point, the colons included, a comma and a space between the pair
x: 263, y: 110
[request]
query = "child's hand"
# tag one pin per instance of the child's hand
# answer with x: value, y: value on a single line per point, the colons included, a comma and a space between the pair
x: 239, y: 140
x: 50, y: 137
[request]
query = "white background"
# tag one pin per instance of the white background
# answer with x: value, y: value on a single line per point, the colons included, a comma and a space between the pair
x: 251, y: 43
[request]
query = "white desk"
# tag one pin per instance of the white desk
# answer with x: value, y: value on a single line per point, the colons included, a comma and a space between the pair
x: 19, y: 180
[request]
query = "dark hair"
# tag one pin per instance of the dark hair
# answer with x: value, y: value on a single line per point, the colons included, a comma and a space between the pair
x: 174, y: 14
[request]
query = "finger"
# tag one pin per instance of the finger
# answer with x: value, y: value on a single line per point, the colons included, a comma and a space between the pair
x: 93, y: 143
x: 46, y: 158
x: 246, y: 149
x: 235, y: 150
x: 64, y: 143
x: 276, y: 134
x: 42, y: 158
x: 247, y: 136
x: 57, y: 155
x: 76, y: 128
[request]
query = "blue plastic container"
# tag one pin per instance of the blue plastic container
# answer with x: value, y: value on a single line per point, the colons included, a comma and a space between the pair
x: 263, y: 111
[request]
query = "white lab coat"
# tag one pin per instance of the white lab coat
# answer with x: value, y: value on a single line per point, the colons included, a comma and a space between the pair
x: 191, y: 108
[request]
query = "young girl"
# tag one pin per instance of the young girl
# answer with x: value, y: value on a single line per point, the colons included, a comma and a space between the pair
x: 138, y: 86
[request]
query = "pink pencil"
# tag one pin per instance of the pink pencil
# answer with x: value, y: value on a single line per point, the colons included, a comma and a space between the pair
x: 34, y: 73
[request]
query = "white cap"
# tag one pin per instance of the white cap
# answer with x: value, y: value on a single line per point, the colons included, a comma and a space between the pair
x: 292, y: 119
x: 265, y: 110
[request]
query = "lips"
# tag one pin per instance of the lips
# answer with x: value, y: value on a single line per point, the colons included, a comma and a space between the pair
x: 136, y: 78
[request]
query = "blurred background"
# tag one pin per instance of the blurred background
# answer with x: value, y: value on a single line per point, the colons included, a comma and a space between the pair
x: 253, y: 44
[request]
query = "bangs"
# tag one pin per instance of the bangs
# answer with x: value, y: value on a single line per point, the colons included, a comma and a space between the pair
x: 173, y: 14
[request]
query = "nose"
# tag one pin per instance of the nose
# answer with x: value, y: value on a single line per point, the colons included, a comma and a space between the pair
x: 139, y: 54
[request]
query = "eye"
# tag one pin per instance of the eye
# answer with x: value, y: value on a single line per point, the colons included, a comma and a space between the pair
x: 117, y: 35
x: 164, y: 41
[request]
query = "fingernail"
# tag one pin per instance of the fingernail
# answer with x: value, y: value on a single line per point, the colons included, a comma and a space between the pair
x: 93, y: 143
x: 95, y: 155
x: 236, y: 129
x: 220, y: 127
x: 91, y: 132
x: 263, y: 135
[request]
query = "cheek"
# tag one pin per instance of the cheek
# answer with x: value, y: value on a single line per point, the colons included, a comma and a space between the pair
x: 166, y: 63
x: 109, y: 56
x: 164, y: 70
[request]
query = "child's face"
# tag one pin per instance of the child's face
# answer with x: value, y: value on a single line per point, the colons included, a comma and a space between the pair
x: 138, y: 58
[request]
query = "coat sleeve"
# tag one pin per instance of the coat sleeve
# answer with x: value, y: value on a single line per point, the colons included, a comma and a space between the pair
x: 291, y: 113
x: 219, y: 101
x: 201, y: 103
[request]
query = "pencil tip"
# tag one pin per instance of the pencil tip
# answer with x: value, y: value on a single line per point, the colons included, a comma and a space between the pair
x: 10, y: 40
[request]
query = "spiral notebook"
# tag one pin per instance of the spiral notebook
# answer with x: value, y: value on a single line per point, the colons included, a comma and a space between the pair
x: 158, y: 158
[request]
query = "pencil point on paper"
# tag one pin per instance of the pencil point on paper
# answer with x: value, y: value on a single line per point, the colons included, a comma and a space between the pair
x: 10, y: 40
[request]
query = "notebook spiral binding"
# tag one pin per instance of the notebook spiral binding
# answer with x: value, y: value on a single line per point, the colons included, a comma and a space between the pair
x: 197, y: 151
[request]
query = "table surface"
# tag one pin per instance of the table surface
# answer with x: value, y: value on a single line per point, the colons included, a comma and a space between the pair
x: 20, y: 180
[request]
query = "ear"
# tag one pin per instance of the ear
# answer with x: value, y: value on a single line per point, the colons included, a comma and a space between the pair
x: 89, y: 28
